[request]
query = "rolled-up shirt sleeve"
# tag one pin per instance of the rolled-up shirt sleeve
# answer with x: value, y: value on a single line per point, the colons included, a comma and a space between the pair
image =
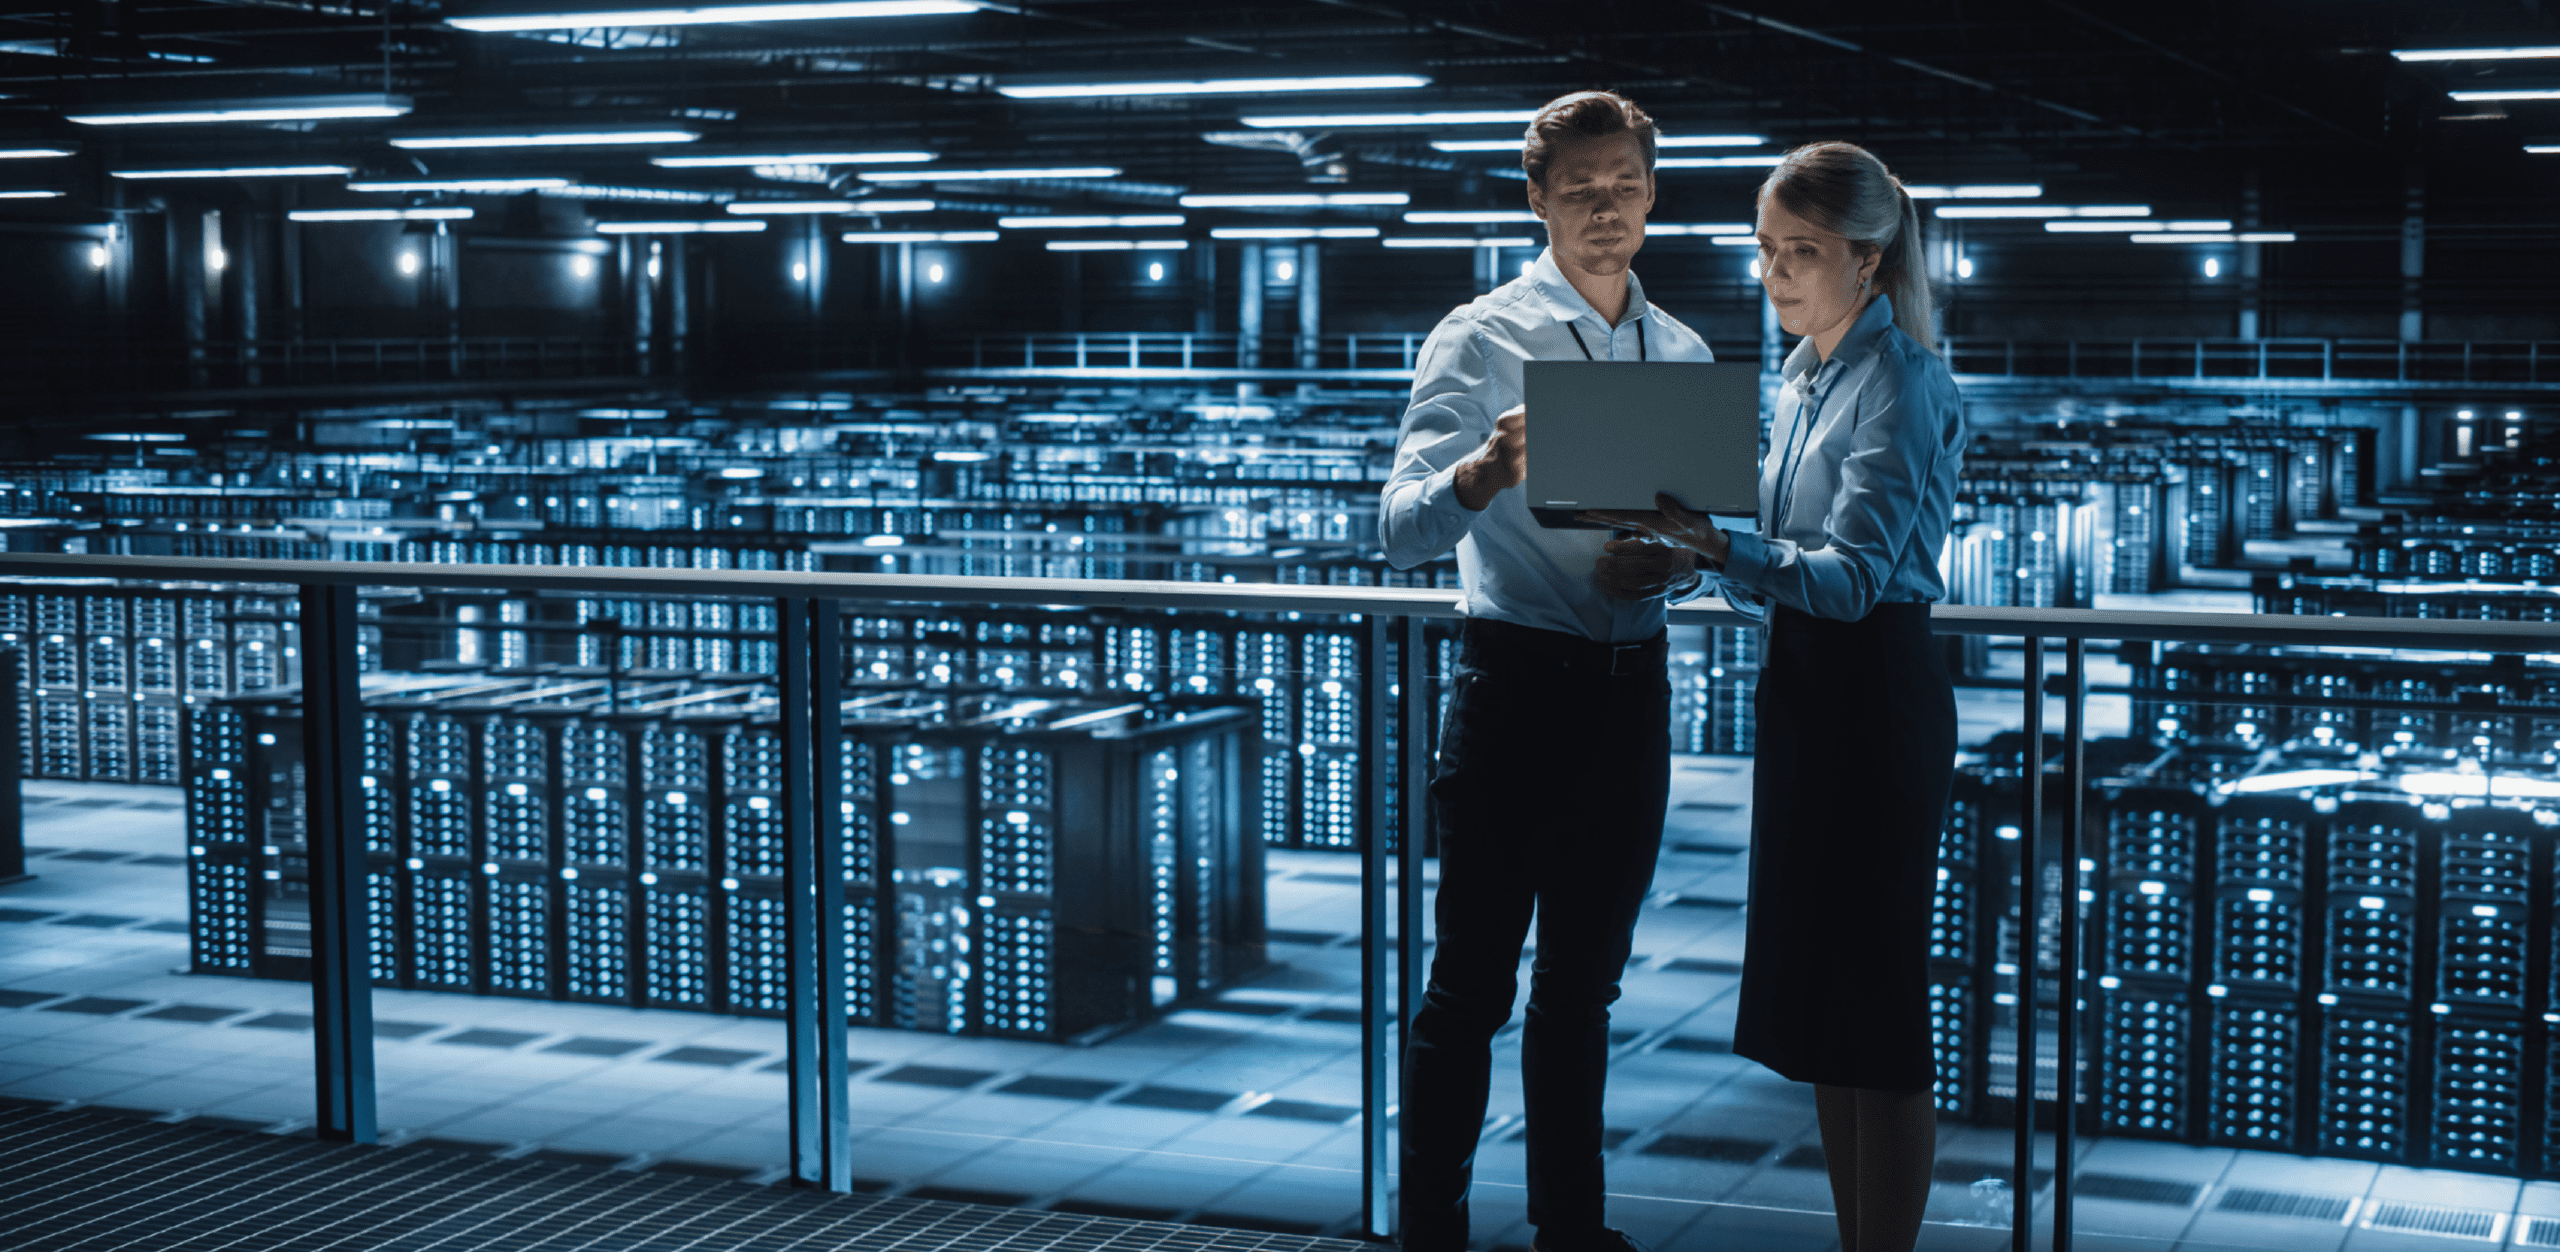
x: 1419, y: 516
x: 1905, y: 434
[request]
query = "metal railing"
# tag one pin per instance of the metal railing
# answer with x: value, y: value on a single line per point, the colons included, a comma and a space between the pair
x: 2265, y: 360
x: 134, y: 366
x: 811, y: 607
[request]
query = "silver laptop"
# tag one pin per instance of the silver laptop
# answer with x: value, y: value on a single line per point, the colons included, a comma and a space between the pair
x: 1609, y: 434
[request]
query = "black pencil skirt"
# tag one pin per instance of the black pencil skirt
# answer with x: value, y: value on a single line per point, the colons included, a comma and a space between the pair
x: 1857, y: 740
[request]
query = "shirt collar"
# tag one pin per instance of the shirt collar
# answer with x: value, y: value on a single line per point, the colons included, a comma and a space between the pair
x: 1567, y: 305
x: 1805, y: 364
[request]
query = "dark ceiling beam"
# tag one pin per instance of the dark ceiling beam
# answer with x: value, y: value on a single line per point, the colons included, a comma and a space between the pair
x: 2182, y: 59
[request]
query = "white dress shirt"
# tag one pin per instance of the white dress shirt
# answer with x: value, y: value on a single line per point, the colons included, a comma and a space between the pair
x: 1514, y: 570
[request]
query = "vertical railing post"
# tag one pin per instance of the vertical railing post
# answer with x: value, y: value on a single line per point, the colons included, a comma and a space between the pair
x: 2030, y: 936
x: 2066, y: 1035
x: 1412, y: 789
x: 813, y: 907
x: 1376, y: 1213
x: 333, y: 831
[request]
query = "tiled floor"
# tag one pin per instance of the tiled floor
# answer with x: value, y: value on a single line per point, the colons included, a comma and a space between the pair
x: 1240, y: 1114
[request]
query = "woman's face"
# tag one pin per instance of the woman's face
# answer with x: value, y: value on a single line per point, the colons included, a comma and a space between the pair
x: 1816, y: 279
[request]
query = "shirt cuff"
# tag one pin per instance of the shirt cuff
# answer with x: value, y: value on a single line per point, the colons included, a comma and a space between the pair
x: 1747, y: 558
x: 1439, y: 497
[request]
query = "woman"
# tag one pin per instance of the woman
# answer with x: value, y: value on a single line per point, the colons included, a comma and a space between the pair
x: 1856, y: 715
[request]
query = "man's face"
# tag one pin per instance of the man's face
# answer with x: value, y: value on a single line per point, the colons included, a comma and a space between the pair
x: 1594, y: 202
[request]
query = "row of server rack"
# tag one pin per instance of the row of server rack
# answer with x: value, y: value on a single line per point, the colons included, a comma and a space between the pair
x: 2360, y: 976
x: 1033, y: 869
x: 112, y: 671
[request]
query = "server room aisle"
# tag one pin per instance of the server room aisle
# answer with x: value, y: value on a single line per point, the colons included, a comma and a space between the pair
x: 1237, y: 1113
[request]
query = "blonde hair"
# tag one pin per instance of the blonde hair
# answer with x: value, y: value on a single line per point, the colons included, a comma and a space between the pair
x: 1843, y: 189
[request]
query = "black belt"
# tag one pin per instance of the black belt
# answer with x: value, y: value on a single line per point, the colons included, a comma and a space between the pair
x: 1487, y: 640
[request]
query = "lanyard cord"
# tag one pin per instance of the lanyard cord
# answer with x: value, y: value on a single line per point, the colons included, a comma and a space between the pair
x: 1807, y: 414
x: 1643, y: 352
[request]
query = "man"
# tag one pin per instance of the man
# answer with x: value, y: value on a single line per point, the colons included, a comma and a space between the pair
x: 1542, y: 808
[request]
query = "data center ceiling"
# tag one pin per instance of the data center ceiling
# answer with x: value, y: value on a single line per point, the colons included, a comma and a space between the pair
x: 2087, y: 98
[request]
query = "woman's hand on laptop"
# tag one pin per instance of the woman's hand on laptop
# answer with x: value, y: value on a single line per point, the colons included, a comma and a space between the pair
x: 1670, y: 524
x: 1644, y: 569
x: 1502, y: 462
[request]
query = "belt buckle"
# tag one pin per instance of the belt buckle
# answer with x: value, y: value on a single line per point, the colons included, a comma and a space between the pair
x: 1625, y: 659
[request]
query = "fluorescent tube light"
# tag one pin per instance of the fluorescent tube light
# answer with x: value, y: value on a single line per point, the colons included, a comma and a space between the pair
x: 876, y: 207
x: 714, y: 227
x: 2525, y: 93
x: 241, y: 171
x: 920, y: 236
x: 1420, y: 242
x: 1465, y: 217
x: 1710, y: 141
x: 379, y: 215
x: 1079, y: 223
x: 2041, y: 210
x: 1213, y: 87
x: 1344, y: 121
x: 2474, y: 54
x: 765, y: 208
x: 2143, y: 225
x: 1719, y: 163
x: 2542, y: 149
x: 791, y: 158
x: 991, y: 175
x: 1706, y: 228
x: 1974, y: 191
x: 312, y: 108
x: 544, y: 139
x: 1118, y: 245
x: 36, y: 152
x: 705, y: 14
x: 1734, y: 241
x: 635, y: 195
x: 2291, y: 780
x: 1294, y: 232
x: 1476, y: 145
x: 2252, y: 236
x: 1300, y: 200
x: 458, y: 184
x: 30, y: 194
x: 2433, y: 784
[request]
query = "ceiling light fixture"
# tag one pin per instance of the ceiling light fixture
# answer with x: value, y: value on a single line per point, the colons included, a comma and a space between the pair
x: 458, y: 184
x: 1974, y: 191
x: 2041, y: 210
x: 690, y: 162
x: 2523, y: 93
x: 2473, y: 54
x: 765, y: 208
x: 1734, y: 241
x: 1117, y: 245
x: 1082, y: 223
x: 456, y: 214
x: 708, y: 14
x: 1213, y: 87
x: 1719, y: 163
x: 308, y: 108
x: 2543, y: 149
x: 1294, y: 232
x: 2248, y: 236
x: 1300, y: 200
x: 1466, y: 217
x: 1704, y: 228
x: 991, y: 175
x: 240, y: 171
x: 544, y: 139
x: 1344, y: 121
x: 29, y: 193
x: 2136, y: 225
x: 1425, y: 242
x: 714, y: 227
x: 921, y: 236
x: 37, y: 152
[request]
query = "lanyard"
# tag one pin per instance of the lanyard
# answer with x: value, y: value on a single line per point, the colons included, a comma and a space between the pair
x: 1642, y: 352
x: 1807, y: 414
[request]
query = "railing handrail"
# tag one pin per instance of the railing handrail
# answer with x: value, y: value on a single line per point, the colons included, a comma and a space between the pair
x: 2171, y: 626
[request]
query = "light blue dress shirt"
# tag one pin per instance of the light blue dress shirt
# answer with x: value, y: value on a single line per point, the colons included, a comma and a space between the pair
x: 1859, y: 485
x: 1468, y: 374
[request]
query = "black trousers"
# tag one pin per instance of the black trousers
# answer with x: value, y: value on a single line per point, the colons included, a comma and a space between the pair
x: 1553, y: 770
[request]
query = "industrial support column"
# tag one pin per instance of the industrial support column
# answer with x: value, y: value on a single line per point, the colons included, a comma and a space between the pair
x: 1310, y: 305
x: 244, y: 270
x: 333, y: 831
x: 679, y: 302
x: 813, y: 903
x: 2252, y: 257
x: 2413, y: 321
x: 187, y: 285
x: 1249, y: 307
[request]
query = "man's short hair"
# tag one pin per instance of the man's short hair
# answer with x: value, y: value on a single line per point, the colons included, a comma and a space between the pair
x: 1583, y: 115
